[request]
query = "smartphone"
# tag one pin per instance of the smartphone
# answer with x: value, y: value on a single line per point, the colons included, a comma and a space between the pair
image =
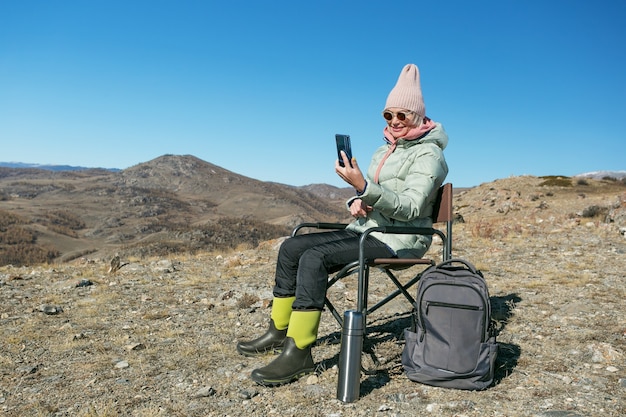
x: 343, y: 144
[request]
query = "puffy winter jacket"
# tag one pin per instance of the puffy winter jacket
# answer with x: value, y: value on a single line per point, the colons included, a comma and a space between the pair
x: 406, y: 190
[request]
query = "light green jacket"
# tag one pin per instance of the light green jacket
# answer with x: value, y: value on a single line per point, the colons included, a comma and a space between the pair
x: 406, y: 190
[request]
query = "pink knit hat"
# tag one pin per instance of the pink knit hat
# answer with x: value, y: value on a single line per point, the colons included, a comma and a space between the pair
x: 407, y: 94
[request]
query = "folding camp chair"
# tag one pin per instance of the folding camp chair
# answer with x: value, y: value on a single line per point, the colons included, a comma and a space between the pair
x: 442, y: 213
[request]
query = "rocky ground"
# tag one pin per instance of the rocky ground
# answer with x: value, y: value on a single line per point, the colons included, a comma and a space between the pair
x: 157, y: 337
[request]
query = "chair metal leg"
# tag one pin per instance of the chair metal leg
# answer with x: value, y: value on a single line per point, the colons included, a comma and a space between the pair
x: 346, y: 271
x: 333, y: 311
x: 363, y: 287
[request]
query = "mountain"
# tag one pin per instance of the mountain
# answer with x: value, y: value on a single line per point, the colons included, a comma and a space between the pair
x: 50, y: 167
x: 598, y: 175
x: 171, y: 203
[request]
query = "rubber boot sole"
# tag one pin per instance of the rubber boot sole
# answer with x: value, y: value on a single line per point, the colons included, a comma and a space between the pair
x: 282, y: 381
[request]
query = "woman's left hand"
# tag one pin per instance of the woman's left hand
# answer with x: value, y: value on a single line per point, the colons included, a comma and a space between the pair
x: 350, y: 172
x: 359, y: 209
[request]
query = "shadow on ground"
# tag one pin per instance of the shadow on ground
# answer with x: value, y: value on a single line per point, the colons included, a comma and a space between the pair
x: 379, y: 363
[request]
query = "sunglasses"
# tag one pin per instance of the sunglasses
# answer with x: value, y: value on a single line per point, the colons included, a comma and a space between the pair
x: 402, y: 116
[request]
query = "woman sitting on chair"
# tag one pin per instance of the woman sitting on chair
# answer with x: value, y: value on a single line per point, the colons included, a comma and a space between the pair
x: 400, y: 190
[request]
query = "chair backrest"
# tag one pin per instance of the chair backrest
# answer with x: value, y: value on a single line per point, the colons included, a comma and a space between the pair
x: 442, y: 213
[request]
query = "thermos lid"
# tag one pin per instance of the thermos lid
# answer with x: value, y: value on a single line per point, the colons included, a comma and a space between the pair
x: 353, y: 320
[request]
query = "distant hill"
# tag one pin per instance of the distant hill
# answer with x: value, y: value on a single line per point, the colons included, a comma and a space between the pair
x: 50, y: 167
x: 598, y: 175
x: 169, y: 204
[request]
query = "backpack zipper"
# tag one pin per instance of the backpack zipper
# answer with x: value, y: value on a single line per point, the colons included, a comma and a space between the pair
x: 450, y: 305
x: 476, y: 308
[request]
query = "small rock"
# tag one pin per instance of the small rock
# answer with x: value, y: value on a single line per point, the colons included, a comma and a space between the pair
x: 397, y: 397
x: 247, y: 395
x: 27, y: 369
x: 121, y: 365
x: 50, y: 310
x: 612, y: 369
x: 135, y: 346
x: 604, y: 352
x: 84, y: 283
x: 312, y: 379
x: 432, y: 407
x: 166, y: 266
x: 205, y: 392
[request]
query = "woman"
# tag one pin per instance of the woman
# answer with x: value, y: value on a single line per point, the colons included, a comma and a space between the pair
x: 399, y: 189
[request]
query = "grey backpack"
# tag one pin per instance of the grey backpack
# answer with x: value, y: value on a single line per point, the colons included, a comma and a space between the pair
x: 453, y: 342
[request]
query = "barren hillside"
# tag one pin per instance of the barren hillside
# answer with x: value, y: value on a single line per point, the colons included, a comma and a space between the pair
x: 157, y: 337
x: 172, y: 203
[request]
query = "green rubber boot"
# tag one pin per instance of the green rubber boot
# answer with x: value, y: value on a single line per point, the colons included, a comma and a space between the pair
x: 274, y: 339
x: 296, y: 360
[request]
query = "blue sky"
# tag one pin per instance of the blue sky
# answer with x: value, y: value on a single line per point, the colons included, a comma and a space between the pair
x: 260, y: 87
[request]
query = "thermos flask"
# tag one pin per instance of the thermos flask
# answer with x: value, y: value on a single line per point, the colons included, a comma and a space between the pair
x: 350, y: 356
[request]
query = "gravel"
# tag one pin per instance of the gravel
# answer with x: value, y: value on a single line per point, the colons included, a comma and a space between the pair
x: 157, y: 338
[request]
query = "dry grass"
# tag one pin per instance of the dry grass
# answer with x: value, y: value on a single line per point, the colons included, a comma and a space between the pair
x: 557, y: 293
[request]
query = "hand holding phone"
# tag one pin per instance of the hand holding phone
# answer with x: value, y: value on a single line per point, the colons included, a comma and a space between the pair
x: 352, y: 176
x: 343, y: 144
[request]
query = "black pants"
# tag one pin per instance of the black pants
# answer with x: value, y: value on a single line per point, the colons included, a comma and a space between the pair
x: 305, y: 261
